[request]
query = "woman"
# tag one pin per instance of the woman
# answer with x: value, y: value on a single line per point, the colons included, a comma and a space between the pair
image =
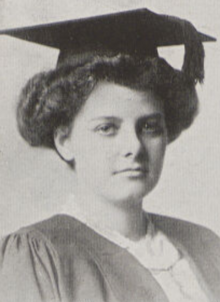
x: 110, y: 117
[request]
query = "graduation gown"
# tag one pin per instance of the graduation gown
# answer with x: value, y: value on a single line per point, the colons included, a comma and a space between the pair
x: 61, y: 259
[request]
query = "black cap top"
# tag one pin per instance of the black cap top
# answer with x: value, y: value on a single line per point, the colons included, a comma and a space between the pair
x: 138, y: 32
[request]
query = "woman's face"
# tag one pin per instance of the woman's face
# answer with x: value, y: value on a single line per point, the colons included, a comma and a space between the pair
x: 118, y: 141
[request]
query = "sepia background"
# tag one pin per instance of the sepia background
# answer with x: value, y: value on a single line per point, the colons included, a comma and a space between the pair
x: 34, y: 183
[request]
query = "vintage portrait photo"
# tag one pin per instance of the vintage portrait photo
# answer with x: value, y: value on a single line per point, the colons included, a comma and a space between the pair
x: 109, y: 151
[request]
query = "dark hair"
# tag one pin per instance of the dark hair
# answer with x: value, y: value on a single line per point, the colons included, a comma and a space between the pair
x: 52, y: 99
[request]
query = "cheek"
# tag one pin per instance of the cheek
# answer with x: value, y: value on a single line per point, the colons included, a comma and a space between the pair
x: 96, y: 159
x: 157, y: 153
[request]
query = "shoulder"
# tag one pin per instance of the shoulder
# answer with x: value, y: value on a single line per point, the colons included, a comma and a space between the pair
x: 31, y: 244
x: 34, y: 257
x: 54, y: 228
x: 54, y: 241
x: 189, y: 234
x: 29, y: 259
x: 47, y: 256
x: 46, y: 234
x: 179, y: 225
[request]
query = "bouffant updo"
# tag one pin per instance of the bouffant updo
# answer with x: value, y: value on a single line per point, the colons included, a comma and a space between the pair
x: 52, y: 99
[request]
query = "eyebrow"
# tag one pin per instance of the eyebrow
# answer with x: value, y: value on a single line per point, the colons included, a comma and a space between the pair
x: 106, y: 118
x: 156, y: 115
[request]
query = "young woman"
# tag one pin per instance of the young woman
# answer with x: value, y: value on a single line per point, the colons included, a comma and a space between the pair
x: 110, y: 118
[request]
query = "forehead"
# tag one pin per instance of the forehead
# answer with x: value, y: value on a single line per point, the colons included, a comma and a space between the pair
x: 110, y: 99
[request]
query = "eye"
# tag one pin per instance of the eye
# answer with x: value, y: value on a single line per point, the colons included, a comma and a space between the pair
x: 107, y: 129
x: 152, y: 127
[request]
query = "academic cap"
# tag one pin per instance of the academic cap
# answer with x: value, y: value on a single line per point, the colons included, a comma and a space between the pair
x: 136, y: 32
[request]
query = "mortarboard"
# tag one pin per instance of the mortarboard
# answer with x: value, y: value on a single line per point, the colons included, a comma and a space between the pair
x: 137, y: 32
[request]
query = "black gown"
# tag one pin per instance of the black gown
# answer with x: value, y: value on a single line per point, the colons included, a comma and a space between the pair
x: 61, y: 259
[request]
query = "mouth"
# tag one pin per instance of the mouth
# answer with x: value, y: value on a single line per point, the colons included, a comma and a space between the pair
x: 138, y: 172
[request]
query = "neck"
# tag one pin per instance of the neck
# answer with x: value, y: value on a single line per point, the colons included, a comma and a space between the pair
x: 129, y: 221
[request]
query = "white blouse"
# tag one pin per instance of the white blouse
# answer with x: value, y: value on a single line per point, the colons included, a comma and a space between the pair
x: 156, y: 253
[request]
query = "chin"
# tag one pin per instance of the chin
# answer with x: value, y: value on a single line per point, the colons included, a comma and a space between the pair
x: 129, y: 195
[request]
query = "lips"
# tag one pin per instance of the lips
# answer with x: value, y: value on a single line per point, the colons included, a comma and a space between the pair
x: 136, y: 171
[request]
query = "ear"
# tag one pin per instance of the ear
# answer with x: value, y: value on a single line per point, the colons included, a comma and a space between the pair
x: 62, y: 142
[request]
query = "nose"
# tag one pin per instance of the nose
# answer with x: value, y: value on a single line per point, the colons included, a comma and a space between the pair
x: 131, y: 144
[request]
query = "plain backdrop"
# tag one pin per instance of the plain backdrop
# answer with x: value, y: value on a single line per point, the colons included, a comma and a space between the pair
x: 34, y: 182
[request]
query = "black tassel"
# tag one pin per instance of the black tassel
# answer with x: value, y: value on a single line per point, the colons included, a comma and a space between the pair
x: 193, y: 65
